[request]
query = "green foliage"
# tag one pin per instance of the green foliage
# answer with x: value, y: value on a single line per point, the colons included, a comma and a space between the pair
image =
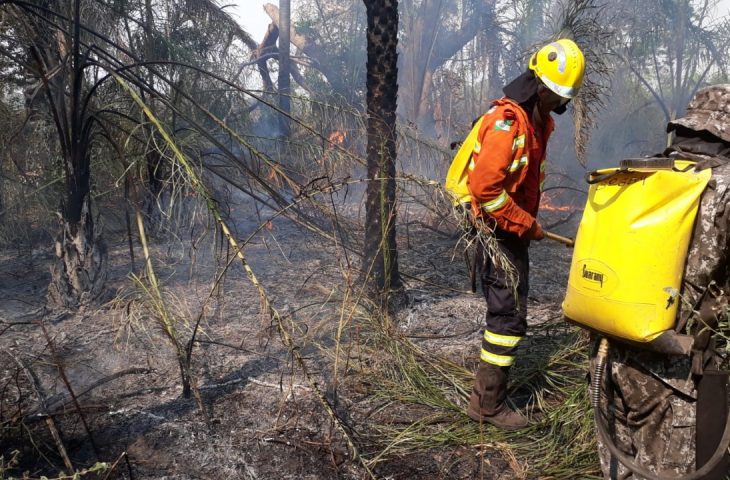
x: 8, y: 466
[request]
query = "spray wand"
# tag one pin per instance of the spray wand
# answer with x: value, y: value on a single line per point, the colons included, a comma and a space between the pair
x: 568, y: 242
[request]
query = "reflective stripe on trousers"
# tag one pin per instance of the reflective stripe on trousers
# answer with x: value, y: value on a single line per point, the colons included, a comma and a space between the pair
x: 506, y: 319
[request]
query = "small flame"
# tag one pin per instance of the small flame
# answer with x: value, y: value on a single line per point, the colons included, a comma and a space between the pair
x: 337, y: 137
x: 547, y: 203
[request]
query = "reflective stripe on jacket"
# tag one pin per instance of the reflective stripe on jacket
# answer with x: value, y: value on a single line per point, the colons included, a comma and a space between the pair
x: 507, y: 171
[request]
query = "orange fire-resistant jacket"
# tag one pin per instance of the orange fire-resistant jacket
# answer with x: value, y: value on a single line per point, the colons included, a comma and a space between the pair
x: 507, y: 168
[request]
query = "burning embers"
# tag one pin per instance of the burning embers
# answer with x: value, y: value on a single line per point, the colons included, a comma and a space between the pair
x: 336, y: 141
x: 551, y: 203
x: 337, y: 137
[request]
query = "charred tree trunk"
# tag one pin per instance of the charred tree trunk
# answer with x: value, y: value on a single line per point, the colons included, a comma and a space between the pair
x: 381, y: 256
x: 268, y: 49
x: 79, y: 273
x: 80, y: 270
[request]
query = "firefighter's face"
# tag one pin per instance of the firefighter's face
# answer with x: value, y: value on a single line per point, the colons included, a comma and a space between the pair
x: 549, y: 100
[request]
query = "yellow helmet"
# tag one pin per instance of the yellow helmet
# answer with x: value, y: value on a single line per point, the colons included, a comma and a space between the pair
x: 560, y: 66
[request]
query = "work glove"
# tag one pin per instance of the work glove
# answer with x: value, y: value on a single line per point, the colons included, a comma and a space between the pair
x: 535, y: 232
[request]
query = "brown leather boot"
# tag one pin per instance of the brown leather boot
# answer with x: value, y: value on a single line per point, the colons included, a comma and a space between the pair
x: 487, y: 402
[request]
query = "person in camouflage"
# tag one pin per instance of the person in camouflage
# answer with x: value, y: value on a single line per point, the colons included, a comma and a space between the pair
x: 650, y: 400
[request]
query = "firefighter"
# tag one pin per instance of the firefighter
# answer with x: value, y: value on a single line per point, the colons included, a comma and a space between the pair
x: 666, y: 414
x: 505, y: 180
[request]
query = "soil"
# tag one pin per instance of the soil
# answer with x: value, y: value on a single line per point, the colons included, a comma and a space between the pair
x: 260, y: 418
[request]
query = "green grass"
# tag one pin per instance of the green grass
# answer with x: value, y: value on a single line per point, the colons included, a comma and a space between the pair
x: 549, y: 377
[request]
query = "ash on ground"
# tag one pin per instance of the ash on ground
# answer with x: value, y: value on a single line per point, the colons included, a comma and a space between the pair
x: 261, y: 418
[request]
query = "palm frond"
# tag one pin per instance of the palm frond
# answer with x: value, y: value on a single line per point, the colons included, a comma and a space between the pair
x: 587, y: 23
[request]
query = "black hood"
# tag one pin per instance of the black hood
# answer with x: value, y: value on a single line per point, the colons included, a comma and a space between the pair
x: 523, y: 90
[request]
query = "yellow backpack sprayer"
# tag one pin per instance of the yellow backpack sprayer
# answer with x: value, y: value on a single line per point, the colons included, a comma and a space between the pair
x: 627, y: 266
x: 458, y: 173
x: 630, y: 252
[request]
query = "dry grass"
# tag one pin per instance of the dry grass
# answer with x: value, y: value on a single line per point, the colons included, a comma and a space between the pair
x: 549, y: 378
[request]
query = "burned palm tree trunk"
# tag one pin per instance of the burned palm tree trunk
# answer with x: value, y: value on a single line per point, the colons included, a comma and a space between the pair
x: 79, y: 272
x: 381, y: 256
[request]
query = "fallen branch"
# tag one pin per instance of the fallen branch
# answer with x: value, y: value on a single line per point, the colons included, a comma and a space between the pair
x: 62, y: 372
x: 41, y: 395
x: 9, y: 325
x: 277, y: 386
x: 56, y: 406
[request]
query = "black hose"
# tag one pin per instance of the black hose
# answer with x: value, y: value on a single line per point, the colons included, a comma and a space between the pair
x: 628, y: 462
